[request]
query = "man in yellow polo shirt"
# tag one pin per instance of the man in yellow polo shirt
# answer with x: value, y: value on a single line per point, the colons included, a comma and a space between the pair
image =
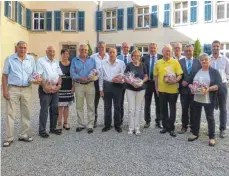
x: 167, y: 74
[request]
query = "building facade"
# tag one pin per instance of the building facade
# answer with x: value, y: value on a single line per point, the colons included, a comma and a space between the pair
x: 68, y: 24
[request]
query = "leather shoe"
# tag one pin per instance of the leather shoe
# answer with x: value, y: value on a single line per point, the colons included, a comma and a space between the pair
x: 163, y: 131
x: 192, y: 137
x: 173, y: 134
x: 147, y: 125
x: 90, y: 130
x: 56, y: 132
x: 158, y: 125
x: 106, y: 128
x: 222, y: 134
x: 44, y: 135
x: 118, y: 129
x: 78, y: 129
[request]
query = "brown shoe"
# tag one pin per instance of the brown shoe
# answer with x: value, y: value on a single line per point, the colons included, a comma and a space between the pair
x: 212, y: 142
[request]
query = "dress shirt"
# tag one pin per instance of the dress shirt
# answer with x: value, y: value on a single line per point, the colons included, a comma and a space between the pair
x: 121, y: 57
x: 49, y: 70
x: 99, y: 60
x: 19, y: 72
x: 155, y: 60
x: 222, y: 65
x: 81, y: 69
x: 187, y: 61
x: 181, y: 57
x: 109, y: 71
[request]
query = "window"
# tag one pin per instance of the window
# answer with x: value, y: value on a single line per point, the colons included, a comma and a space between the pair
x: 222, y: 10
x: 143, y: 17
x: 70, y: 21
x: 181, y: 12
x: 38, y: 20
x: 10, y: 9
x: 224, y: 50
x: 111, y: 20
x: 143, y: 49
x: 23, y: 15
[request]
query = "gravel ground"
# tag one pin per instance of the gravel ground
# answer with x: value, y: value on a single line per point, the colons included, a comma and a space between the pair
x: 108, y: 154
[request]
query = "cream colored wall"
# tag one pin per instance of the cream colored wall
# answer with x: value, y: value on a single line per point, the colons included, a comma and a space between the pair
x: 40, y: 40
x: 11, y: 33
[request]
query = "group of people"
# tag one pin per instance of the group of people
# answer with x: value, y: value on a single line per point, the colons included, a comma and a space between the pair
x: 72, y: 83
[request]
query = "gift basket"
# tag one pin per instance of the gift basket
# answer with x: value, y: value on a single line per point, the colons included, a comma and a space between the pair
x: 35, y: 77
x: 93, y: 75
x: 120, y: 76
x: 51, y: 81
x: 198, y: 87
x: 170, y: 77
x: 131, y: 79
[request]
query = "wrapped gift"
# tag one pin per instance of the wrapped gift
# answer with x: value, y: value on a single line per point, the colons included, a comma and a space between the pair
x: 170, y: 77
x: 131, y: 79
x: 120, y: 76
x: 36, y: 77
x: 93, y: 75
x: 198, y: 87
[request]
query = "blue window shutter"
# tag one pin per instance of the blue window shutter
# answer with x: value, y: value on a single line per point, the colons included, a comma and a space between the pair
x: 19, y: 13
x: 166, y: 15
x: 81, y: 17
x: 120, y: 19
x: 49, y: 21
x: 208, y: 11
x: 28, y: 19
x: 154, y: 17
x: 57, y: 20
x: 6, y: 3
x: 118, y: 50
x: 207, y: 49
x: 193, y: 11
x: 130, y: 18
x: 131, y: 49
x: 99, y: 20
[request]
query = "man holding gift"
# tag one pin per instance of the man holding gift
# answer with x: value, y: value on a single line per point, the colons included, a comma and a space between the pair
x: 221, y: 63
x: 149, y: 61
x: 16, y: 84
x: 50, y: 71
x: 81, y: 67
x: 111, y: 87
x: 167, y: 74
x: 190, y: 67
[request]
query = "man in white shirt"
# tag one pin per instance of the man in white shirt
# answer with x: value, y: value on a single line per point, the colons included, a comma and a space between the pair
x: 99, y: 59
x: 111, y: 87
x: 126, y: 58
x: 49, y: 69
x: 177, y: 48
x: 221, y: 63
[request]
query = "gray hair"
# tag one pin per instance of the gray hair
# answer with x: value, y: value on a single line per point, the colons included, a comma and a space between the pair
x: 101, y: 43
x: 82, y: 45
x: 168, y: 46
x: 203, y: 55
x: 188, y: 46
x: 152, y: 44
x: 179, y: 44
x: 21, y: 43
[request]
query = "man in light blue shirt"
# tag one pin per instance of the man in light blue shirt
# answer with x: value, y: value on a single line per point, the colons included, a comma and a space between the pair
x: 16, y: 76
x: 80, y: 69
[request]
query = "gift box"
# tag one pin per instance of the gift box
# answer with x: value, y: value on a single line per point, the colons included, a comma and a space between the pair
x: 93, y: 75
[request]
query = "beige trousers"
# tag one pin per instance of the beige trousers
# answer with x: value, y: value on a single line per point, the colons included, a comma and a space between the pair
x: 22, y: 97
x: 87, y: 91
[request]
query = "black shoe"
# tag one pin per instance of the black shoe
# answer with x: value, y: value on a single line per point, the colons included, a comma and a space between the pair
x: 163, y: 131
x: 222, y: 134
x: 56, y: 131
x: 147, y: 125
x: 106, y: 128
x: 118, y: 129
x: 44, y: 135
x: 173, y: 134
x: 78, y: 129
x: 158, y: 125
x: 95, y: 124
x: 90, y: 130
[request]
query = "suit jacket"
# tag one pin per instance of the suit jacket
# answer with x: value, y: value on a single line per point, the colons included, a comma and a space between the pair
x: 146, y: 61
x: 186, y: 76
x: 121, y: 57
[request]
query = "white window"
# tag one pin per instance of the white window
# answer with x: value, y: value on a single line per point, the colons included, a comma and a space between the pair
x: 38, y: 20
x: 111, y: 20
x: 70, y: 21
x: 222, y: 10
x: 23, y: 15
x: 181, y: 12
x: 143, y: 17
x: 224, y: 50
x: 143, y: 49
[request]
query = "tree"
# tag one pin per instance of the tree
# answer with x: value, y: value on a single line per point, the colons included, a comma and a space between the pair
x: 89, y: 49
x: 197, y: 49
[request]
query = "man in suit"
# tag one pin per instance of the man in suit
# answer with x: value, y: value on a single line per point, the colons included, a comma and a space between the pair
x: 149, y: 61
x: 126, y: 58
x: 190, y: 67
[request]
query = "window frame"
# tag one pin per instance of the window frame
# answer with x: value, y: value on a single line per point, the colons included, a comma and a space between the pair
x: 39, y: 20
x: 181, y: 10
x: 111, y: 19
x: 70, y: 21
x: 143, y: 14
x: 224, y: 51
x: 206, y: 4
x: 142, y: 49
x: 23, y: 15
x: 225, y: 10
x: 10, y: 7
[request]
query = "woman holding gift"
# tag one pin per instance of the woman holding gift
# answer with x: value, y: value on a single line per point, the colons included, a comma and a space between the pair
x: 135, y: 92
x: 208, y: 81
x: 66, y: 92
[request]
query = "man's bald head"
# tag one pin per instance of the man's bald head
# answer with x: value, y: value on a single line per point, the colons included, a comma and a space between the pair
x: 50, y: 51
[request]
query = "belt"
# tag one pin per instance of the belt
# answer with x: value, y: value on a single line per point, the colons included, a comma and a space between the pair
x: 83, y: 82
x: 18, y: 86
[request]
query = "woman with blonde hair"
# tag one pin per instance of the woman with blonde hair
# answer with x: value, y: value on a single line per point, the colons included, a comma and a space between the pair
x: 135, y: 93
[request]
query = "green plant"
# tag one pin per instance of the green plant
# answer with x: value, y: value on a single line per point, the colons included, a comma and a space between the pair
x: 197, y: 49
x: 90, y: 52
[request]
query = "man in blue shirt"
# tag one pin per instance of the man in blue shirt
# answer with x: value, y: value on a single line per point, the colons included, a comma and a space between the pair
x: 80, y: 69
x: 16, y: 83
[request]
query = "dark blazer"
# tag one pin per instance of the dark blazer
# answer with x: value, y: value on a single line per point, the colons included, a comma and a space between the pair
x: 146, y: 61
x: 186, y: 76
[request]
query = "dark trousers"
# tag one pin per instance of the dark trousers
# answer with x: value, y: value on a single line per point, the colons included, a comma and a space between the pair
x: 187, y: 103
x: 112, y: 92
x: 97, y: 97
x: 122, y: 105
x: 222, y: 100
x: 150, y: 90
x: 48, y: 102
x: 209, y: 112
x: 168, y: 120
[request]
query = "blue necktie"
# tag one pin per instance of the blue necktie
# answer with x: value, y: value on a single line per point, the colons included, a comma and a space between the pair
x: 189, y: 67
x: 125, y: 60
x: 151, y: 67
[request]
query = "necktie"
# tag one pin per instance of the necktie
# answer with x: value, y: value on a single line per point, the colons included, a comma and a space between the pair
x: 125, y: 60
x: 189, y: 67
x: 151, y: 67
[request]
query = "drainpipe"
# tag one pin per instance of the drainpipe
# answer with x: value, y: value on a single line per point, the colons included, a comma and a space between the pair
x: 97, y: 37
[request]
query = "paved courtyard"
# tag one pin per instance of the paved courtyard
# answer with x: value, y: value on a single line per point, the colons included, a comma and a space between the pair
x: 112, y: 154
